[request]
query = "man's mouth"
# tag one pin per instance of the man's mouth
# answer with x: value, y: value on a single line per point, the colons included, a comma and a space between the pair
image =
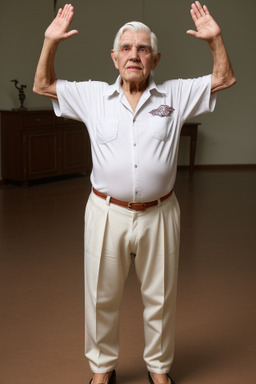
x: 133, y: 68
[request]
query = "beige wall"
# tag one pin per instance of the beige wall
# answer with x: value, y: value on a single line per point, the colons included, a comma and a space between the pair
x: 226, y: 137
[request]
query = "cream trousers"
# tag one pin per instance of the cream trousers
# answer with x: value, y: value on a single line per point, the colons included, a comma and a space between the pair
x: 113, y: 236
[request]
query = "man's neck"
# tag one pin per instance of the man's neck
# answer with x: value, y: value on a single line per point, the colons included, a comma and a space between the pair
x: 134, y: 88
x: 133, y: 92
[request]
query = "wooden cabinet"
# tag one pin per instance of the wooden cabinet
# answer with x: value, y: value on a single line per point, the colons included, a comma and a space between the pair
x: 37, y: 144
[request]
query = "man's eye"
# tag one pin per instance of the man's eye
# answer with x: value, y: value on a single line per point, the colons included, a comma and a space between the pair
x: 144, y: 49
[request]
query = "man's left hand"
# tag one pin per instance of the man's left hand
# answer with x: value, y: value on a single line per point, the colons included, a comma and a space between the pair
x: 207, y: 28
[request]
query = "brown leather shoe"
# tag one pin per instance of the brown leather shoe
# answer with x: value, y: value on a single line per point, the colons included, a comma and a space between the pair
x: 152, y: 382
x: 112, y: 379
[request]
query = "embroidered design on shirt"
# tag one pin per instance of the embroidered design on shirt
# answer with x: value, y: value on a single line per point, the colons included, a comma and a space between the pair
x: 162, y: 111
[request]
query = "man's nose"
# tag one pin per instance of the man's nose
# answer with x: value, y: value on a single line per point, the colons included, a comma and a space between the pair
x: 134, y: 54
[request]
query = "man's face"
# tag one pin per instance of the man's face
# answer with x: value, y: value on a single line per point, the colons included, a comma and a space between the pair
x: 135, y: 59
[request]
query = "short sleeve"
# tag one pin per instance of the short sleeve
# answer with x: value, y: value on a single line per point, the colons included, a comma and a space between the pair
x: 72, y: 100
x: 195, y: 97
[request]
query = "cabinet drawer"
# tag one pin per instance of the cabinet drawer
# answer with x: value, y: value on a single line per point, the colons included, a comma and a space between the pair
x: 38, y: 120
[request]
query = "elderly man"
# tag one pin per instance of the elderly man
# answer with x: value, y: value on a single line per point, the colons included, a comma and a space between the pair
x: 132, y: 213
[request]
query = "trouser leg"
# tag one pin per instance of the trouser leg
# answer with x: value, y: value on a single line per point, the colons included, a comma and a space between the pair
x: 156, y: 266
x: 107, y: 263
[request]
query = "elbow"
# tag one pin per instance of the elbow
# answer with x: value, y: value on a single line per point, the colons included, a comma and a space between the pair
x: 36, y: 89
x: 229, y: 82
x: 232, y: 81
x: 47, y: 91
x: 223, y: 83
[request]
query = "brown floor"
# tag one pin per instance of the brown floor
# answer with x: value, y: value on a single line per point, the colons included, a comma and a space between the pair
x: 41, y: 266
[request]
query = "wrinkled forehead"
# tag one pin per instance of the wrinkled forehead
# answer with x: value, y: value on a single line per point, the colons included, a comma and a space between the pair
x: 135, y: 38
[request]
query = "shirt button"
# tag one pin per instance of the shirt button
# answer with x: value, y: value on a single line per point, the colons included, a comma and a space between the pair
x: 134, y: 144
x: 136, y: 166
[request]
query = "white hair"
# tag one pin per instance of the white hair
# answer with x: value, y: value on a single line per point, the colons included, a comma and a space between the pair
x: 137, y: 27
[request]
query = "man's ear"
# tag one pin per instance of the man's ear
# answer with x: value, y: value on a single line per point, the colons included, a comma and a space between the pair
x: 156, y: 60
x: 114, y: 58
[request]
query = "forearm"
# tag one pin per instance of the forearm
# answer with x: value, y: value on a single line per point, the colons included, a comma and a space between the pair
x: 45, y: 77
x: 222, y: 75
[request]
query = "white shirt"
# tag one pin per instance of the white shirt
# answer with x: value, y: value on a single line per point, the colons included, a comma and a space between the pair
x: 134, y: 153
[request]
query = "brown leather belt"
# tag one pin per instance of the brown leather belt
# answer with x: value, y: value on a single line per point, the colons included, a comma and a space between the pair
x: 132, y: 206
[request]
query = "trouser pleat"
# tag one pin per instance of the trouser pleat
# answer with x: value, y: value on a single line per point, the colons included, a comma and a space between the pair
x: 105, y: 275
x: 112, y: 234
x: 156, y: 266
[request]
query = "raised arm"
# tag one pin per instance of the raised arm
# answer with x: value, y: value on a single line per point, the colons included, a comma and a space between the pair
x: 208, y: 30
x: 45, y: 77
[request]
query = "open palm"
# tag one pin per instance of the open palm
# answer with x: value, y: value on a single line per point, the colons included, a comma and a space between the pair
x: 58, y: 29
x: 206, y: 26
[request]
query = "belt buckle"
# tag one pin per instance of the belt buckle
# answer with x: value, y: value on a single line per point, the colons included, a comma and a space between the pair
x: 143, y: 206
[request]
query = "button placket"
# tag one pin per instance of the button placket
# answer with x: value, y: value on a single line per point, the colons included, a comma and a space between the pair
x: 135, y: 159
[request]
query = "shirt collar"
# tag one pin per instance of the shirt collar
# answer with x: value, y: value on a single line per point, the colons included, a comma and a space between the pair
x: 116, y: 87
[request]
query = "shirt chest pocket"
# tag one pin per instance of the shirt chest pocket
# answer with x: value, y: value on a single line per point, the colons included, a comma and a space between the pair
x: 162, y: 127
x: 106, y: 130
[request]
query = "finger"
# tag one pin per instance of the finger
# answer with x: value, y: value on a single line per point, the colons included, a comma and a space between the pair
x: 191, y: 32
x: 195, y: 11
x: 70, y: 16
x: 206, y: 10
x: 67, y: 10
x: 59, y: 12
x: 193, y: 15
x: 199, y: 8
x: 72, y: 33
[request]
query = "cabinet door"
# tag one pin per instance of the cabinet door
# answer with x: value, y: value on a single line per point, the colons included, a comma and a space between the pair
x: 76, y: 154
x: 41, y: 153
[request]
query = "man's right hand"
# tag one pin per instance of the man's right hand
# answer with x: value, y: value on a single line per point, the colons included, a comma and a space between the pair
x: 58, y: 29
x: 45, y: 78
